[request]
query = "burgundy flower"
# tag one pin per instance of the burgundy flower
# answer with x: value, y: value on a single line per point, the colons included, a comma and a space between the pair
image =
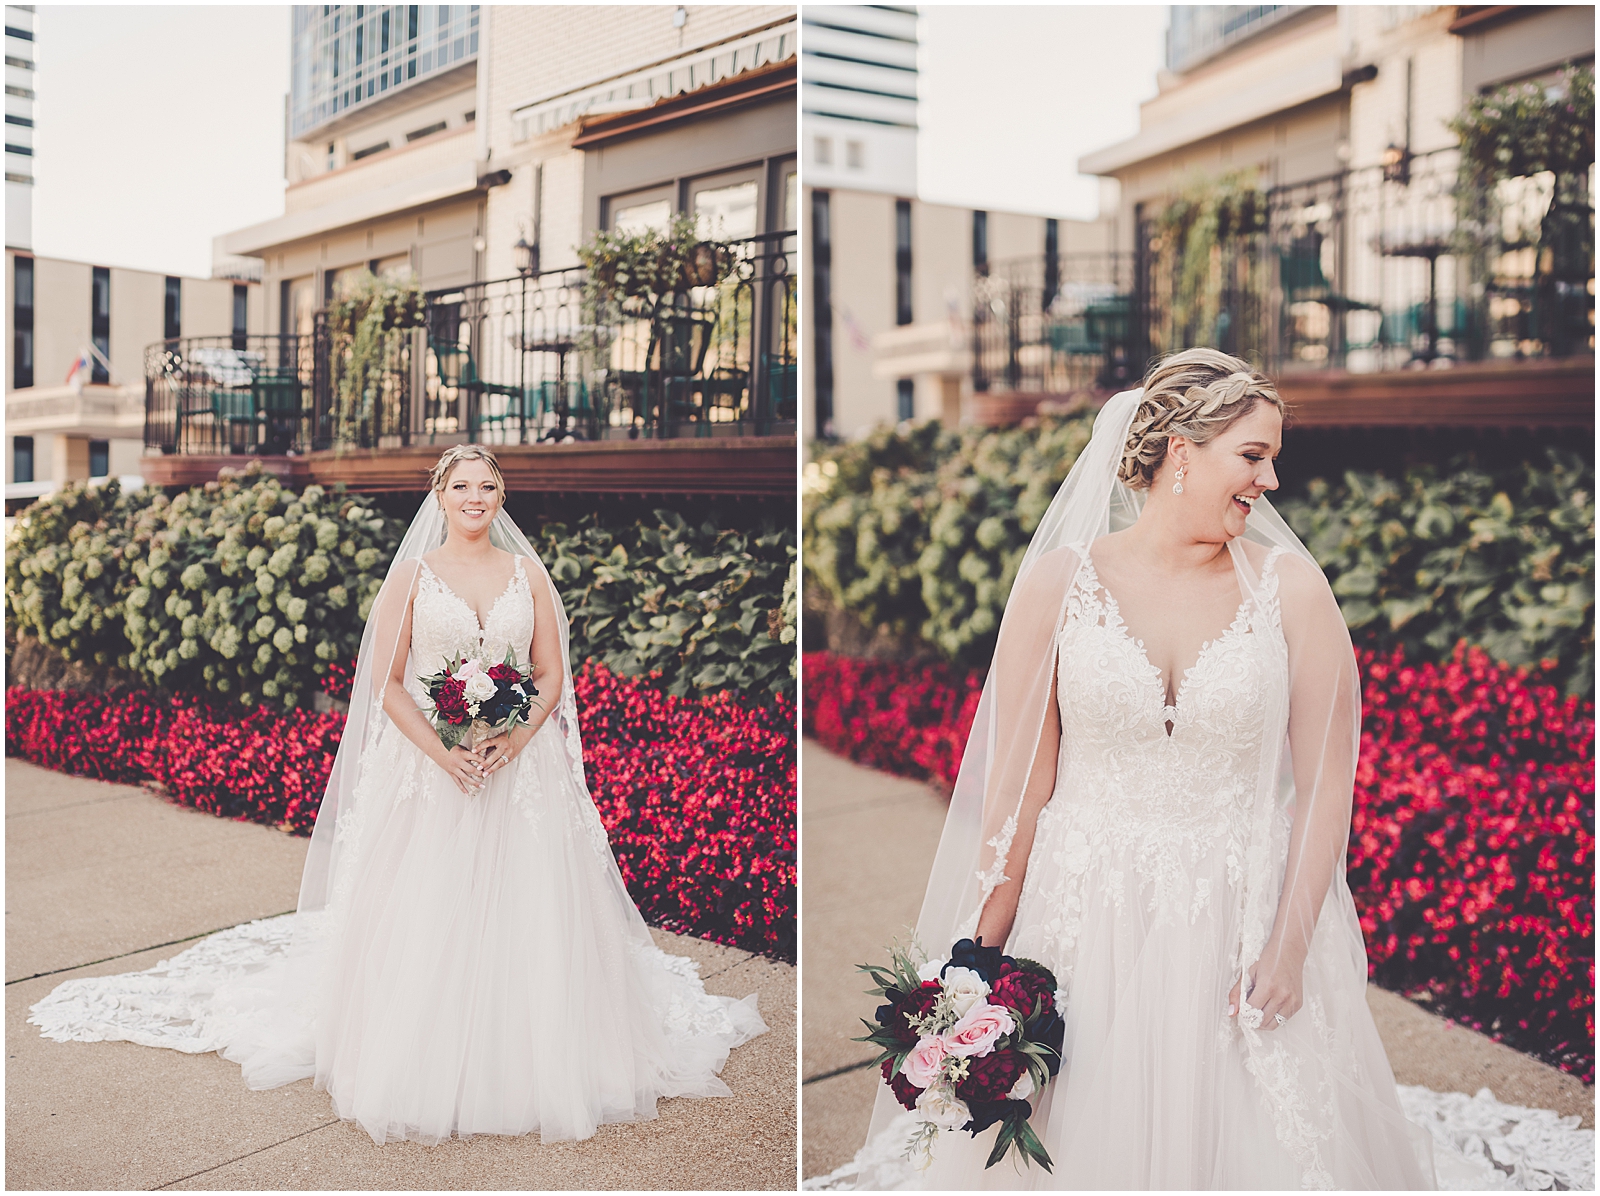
x: 505, y: 673
x: 451, y: 700
x: 1021, y: 990
x: 991, y: 1076
x: 904, y: 1090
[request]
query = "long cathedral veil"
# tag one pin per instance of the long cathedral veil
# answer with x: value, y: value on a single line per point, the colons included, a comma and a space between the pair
x: 1292, y: 868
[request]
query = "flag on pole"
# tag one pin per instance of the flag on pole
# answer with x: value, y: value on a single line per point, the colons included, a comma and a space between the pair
x: 79, y: 373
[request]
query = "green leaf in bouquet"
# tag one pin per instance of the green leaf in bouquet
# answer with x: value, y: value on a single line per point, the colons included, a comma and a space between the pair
x: 1030, y: 1146
x: 1002, y: 1141
x: 450, y: 734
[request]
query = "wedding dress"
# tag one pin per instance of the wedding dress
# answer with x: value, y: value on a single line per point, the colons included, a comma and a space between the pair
x: 1132, y: 896
x: 469, y: 963
x: 1168, y: 842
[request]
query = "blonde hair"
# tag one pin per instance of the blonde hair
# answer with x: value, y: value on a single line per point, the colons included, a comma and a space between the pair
x: 455, y: 455
x: 1197, y: 394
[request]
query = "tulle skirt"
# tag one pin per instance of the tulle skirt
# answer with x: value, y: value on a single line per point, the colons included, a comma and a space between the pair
x: 1157, y: 1088
x: 480, y: 968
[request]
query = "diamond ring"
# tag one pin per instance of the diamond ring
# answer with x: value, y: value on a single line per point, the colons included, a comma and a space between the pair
x: 1281, y: 1018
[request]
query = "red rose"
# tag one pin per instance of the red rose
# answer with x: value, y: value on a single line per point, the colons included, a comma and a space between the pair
x: 504, y: 672
x: 904, y: 1090
x: 451, y: 702
x: 991, y: 1076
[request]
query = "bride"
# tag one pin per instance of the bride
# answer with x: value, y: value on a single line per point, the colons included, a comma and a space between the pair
x: 1154, y: 803
x: 464, y: 958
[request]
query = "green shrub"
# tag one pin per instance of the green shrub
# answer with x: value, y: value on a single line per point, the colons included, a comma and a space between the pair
x: 708, y: 607
x: 243, y: 589
x: 240, y: 588
x: 920, y: 532
x: 1505, y: 562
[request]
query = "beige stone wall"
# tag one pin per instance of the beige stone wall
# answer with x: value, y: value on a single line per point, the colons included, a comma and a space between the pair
x: 60, y: 318
x: 1377, y: 108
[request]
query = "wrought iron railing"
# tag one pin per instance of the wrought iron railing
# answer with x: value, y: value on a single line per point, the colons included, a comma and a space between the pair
x: 512, y: 361
x: 1378, y: 269
x: 207, y: 395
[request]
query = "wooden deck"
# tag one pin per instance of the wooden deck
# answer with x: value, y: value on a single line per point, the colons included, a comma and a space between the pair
x: 1501, y: 394
x: 743, y: 465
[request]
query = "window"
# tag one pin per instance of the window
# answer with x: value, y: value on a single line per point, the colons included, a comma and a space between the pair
x: 100, y: 325
x: 728, y: 213
x: 906, y: 396
x: 980, y: 242
x: 822, y: 312
x: 855, y: 155
x: 902, y: 264
x: 99, y: 458
x: 1052, y: 262
x: 241, y: 315
x: 22, y: 459
x: 173, y: 318
x: 427, y: 131
x: 369, y: 151
x: 824, y: 151
x: 22, y: 325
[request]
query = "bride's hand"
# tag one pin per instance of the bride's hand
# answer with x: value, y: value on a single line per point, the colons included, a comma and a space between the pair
x: 465, y: 768
x: 499, y: 751
x: 1277, y: 989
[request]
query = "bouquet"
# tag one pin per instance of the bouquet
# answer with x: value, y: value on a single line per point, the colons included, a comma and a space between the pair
x: 465, y: 697
x: 967, y: 1041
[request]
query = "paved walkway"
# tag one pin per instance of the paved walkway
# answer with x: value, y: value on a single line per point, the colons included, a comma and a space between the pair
x: 868, y: 844
x: 102, y: 879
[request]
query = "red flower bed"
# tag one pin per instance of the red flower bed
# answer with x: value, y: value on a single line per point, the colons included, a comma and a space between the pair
x: 1472, y: 839
x: 1472, y: 848
x: 911, y: 720
x: 697, y: 794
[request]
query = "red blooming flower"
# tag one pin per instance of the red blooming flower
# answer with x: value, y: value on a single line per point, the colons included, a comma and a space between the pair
x: 451, y: 701
x: 505, y: 672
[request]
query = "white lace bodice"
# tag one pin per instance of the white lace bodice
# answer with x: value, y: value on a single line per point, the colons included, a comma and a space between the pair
x: 1150, y: 810
x: 443, y: 626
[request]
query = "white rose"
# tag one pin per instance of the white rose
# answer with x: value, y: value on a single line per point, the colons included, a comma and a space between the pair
x: 943, y: 1107
x: 480, y: 687
x: 1023, y: 1088
x: 965, y: 988
x: 1061, y: 1001
x: 930, y: 970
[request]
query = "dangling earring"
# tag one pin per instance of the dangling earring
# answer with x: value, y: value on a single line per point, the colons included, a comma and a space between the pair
x: 1177, y: 484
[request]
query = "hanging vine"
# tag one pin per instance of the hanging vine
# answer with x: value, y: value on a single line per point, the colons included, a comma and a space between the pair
x: 1207, y: 216
x: 368, y: 323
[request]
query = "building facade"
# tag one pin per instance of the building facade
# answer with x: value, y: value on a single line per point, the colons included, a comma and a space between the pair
x: 889, y: 330
x: 79, y: 334
x: 21, y: 62
x: 538, y: 124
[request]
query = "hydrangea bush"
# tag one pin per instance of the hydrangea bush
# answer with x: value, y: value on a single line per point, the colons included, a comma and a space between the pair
x: 240, y: 588
x: 244, y: 590
x: 919, y: 531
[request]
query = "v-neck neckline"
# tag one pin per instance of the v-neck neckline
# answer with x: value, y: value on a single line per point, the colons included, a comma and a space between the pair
x: 481, y: 620
x: 1118, y: 626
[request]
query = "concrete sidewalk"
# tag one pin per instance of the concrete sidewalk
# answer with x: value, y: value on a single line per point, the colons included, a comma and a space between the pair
x: 102, y: 879
x: 869, y: 842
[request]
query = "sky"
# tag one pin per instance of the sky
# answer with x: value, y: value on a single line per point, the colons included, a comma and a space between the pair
x: 1012, y: 96
x: 162, y: 127
x: 158, y: 129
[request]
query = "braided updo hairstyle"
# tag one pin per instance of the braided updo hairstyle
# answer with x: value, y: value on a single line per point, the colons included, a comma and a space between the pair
x: 455, y: 455
x: 1197, y: 393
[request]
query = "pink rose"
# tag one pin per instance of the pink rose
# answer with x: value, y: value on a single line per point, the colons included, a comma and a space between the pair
x: 977, y: 1032
x: 467, y: 671
x: 921, y: 1066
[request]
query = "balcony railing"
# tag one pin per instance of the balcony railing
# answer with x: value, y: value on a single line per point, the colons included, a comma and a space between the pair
x: 1371, y: 270
x: 513, y: 361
